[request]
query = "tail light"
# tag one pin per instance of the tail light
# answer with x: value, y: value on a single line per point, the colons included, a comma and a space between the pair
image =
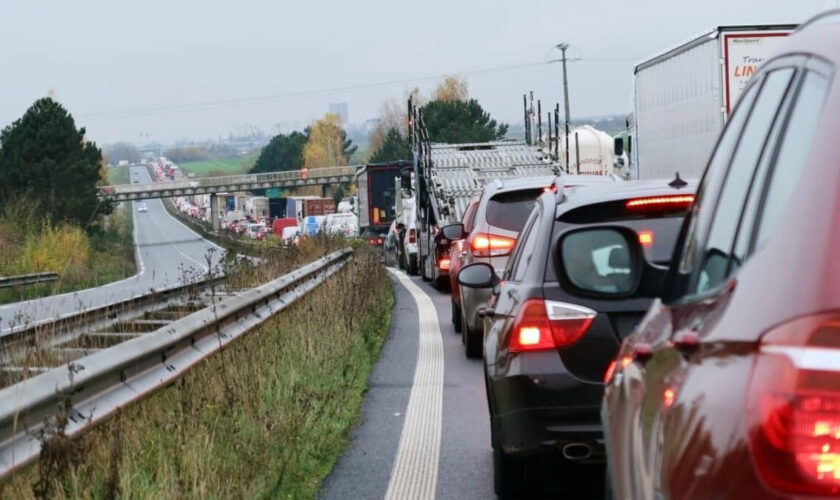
x: 491, y: 245
x: 412, y: 235
x: 659, y: 203
x: 646, y: 238
x: 379, y: 241
x: 794, y: 412
x: 544, y: 324
x: 443, y: 264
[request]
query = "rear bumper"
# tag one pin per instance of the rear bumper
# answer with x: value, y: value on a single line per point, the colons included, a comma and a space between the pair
x: 537, y: 405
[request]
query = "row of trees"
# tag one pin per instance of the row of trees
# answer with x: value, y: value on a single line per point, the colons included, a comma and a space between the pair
x: 451, y: 117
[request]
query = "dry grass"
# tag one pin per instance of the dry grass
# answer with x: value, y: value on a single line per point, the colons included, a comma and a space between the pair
x: 265, y: 418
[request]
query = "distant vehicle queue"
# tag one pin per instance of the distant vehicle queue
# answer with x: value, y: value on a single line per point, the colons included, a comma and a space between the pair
x: 287, y: 218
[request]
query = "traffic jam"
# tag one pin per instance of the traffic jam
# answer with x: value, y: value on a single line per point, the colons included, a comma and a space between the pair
x: 670, y: 319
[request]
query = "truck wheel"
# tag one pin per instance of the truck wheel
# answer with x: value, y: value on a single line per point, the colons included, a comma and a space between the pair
x: 412, y: 266
x: 471, y: 339
x: 423, y: 260
x: 456, y: 317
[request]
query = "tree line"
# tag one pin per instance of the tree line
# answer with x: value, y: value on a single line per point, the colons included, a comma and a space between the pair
x: 451, y: 116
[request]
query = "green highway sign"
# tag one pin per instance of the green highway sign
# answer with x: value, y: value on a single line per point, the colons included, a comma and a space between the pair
x: 273, y: 193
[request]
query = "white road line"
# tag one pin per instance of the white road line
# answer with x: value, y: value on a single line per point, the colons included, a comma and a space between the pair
x: 415, y: 471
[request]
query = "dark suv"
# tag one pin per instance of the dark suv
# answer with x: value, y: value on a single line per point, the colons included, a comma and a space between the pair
x: 730, y: 388
x: 550, y: 328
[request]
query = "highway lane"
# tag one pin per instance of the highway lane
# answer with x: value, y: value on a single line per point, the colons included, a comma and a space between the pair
x: 465, y: 463
x: 168, y: 253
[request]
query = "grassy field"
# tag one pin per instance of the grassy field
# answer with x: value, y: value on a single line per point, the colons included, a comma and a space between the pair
x: 214, y: 168
x: 119, y: 175
x: 265, y: 418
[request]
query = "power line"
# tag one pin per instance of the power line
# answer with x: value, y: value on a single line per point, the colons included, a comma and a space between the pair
x: 227, y: 103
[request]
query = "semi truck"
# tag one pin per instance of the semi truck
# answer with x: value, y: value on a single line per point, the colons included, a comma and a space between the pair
x: 448, y: 176
x: 683, y: 97
x: 377, y: 197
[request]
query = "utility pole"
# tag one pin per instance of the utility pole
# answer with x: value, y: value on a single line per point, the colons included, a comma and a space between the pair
x: 563, y: 47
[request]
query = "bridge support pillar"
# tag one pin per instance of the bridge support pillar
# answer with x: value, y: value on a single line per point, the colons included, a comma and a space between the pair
x: 327, y: 191
x: 214, y: 213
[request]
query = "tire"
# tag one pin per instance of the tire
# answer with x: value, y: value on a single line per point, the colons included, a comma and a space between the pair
x: 509, y: 475
x: 421, y: 261
x: 412, y: 266
x: 442, y: 283
x: 471, y: 339
x: 456, y: 317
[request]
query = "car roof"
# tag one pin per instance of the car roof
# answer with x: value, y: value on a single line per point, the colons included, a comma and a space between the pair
x: 819, y: 36
x: 516, y: 184
x: 578, y: 196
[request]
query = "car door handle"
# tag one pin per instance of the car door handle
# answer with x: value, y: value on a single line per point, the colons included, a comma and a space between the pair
x: 485, y: 312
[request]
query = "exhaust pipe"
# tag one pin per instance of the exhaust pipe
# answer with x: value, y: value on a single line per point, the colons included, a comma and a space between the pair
x: 577, y: 451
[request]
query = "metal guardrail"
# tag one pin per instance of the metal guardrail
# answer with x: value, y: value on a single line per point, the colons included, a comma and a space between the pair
x: 27, y: 279
x: 232, y: 182
x: 94, y: 387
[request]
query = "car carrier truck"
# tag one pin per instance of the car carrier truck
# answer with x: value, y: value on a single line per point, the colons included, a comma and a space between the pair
x: 683, y: 96
x: 448, y: 176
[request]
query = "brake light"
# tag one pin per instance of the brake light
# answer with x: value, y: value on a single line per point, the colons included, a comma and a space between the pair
x: 443, y: 264
x: 654, y: 203
x: 491, y: 245
x: 608, y: 375
x: 794, y: 411
x: 646, y: 238
x: 412, y: 235
x: 544, y: 324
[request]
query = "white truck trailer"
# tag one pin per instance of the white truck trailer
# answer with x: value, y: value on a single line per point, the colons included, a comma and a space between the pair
x: 684, y: 95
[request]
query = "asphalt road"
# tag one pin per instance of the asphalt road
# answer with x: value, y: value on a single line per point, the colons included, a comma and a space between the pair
x: 464, y: 466
x: 168, y: 253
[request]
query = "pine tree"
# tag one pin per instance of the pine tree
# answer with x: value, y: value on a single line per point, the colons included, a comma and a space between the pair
x: 44, y: 157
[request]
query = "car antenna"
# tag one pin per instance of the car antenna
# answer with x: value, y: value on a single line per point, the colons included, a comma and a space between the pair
x: 677, y: 182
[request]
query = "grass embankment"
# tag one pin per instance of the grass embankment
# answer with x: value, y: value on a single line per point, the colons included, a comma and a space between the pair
x: 221, y: 167
x: 82, y: 259
x: 266, y: 418
x: 119, y: 175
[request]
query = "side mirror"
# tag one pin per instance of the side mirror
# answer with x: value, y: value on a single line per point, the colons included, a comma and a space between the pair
x: 618, y: 146
x: 405, y: 180
x: 454, y: 232
x: 478, y: 275
x: 606, y: 261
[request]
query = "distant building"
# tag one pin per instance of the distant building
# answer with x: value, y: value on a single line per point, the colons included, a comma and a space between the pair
x: 340, y: 109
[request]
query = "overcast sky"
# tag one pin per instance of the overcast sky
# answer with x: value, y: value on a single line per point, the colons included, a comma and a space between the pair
x: 169, y: 69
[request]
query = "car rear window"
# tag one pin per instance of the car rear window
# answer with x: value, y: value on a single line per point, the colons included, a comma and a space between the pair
x: 511, y: 210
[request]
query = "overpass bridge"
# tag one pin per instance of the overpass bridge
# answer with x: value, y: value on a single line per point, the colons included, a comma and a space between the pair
x: 213, y: 185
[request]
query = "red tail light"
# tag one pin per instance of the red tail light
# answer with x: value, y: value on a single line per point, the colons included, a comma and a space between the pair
x: 443, y: 264
x: 794, y: 411
x: 544, y: 324
x: 608, y: 375
x: 491, y: 245
x: 656, y: 203
x: 646, y: 238
x: 412, y: 236
x: 379, y: 241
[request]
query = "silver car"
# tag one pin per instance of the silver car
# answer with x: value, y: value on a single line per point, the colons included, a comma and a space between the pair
x: 502, y: 210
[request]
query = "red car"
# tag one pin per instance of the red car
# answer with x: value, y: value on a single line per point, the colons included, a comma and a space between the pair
x: 730, y: 386
x: 455, y: 263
